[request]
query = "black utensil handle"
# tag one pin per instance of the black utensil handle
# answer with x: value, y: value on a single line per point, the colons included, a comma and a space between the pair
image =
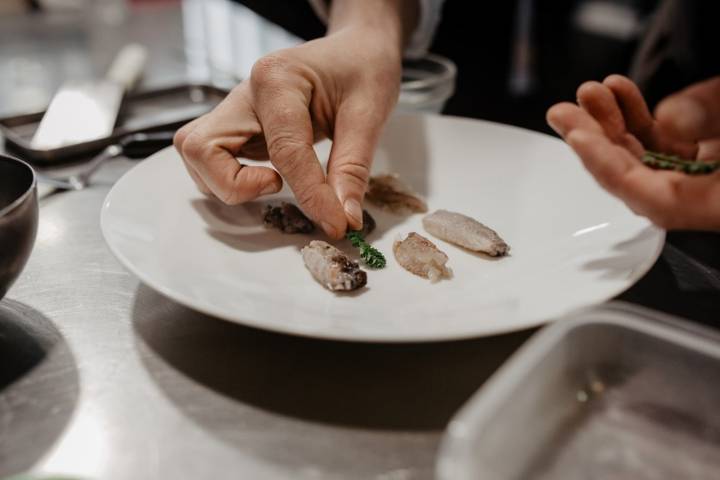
x: 141, y: 145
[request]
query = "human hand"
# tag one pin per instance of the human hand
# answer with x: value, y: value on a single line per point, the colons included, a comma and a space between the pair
x: 612, y: 127
x: 342, y: 87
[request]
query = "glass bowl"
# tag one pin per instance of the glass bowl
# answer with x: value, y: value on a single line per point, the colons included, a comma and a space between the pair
x: 427, y: 83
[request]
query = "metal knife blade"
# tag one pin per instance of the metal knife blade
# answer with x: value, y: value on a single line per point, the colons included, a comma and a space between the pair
x: 86, y: 111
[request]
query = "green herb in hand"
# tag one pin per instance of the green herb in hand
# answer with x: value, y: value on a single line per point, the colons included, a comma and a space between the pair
x: 370, y: 255
x: 661, y: 161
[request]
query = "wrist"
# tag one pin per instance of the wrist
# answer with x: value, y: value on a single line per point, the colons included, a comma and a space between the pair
x: 387, y: 22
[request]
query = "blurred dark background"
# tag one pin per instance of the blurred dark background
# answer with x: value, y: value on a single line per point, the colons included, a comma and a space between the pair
x: 564, y: 42
x: 515, y: 58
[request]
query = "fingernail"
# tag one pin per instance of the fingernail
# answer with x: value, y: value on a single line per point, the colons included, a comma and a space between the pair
x: 270, y: 188
x: 353, y: 209
x: 329, y: 229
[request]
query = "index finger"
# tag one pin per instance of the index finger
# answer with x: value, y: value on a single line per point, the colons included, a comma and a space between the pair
x: 286, y: 122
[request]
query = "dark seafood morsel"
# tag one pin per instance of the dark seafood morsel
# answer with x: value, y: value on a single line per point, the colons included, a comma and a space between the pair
x: 368, y: 224
x: 287, y: 218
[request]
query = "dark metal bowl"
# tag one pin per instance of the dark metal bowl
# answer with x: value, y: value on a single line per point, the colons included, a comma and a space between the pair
x: 18, y: 218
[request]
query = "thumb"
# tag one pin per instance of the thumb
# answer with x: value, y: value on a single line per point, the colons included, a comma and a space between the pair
x: 355, y: 136
x: 693, y: 113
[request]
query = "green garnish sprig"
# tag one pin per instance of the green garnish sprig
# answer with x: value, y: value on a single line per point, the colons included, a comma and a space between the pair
x: 370, y: 255
x: 662, y: 161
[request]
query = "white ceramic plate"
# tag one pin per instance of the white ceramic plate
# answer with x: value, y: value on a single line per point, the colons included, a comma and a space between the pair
x: 572, y: 244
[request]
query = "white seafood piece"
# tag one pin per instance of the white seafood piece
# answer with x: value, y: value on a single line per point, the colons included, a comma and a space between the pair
x: 332, y: 268
x: 466, y: 232
x: 420, y: 256
x: 388, y: 192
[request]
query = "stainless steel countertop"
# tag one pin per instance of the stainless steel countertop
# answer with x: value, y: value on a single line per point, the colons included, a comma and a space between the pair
x: 135, y: 386
x: 116, y: 382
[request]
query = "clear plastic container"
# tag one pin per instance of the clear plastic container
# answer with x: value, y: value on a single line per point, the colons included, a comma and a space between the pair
x: 427, y: 84
x: 614, y: 392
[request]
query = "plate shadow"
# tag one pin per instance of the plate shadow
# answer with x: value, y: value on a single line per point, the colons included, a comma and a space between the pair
x: 372, y: 386
x: 625, y: 258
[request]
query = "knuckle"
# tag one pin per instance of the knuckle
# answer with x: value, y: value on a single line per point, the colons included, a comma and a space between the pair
x: 355, y: 172
x: 287, y: 150
x: 180, y: 137
x: 194, y: 147
x: 267, y: 69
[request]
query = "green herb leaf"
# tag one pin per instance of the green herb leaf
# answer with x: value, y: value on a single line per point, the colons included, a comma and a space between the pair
x: 662, y: 161
x: 369, y: 254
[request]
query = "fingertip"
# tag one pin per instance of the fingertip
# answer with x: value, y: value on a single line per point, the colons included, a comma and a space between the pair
x: 349, y: 183
x: 624, y: 89
x: 270, y: 189
x: 349, y: 180
x: 557, y: 115
x: 329, y: 229
x: 246, y: 183
x: 616, y: 80
x: 589, y: 89
x: 272, y: 182
x: 324, y: 207
x: 334, y: 226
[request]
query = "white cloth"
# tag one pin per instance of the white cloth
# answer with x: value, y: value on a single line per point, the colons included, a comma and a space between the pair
x: 424, y: 32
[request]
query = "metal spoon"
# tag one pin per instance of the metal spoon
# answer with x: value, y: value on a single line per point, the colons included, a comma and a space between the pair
x: 137, y: 145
